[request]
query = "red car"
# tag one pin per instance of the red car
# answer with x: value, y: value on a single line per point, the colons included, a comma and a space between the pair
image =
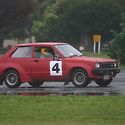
x: 36, y: 63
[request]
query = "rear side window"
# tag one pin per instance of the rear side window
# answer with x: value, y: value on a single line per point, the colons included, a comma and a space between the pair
x: 22, y: 52
x: 44, y: 52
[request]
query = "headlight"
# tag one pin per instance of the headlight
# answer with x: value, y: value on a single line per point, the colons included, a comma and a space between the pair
x: 115, y: 64
x: 97, y: 65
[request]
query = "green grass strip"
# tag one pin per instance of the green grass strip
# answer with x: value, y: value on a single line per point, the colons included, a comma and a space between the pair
x: 62, y: 110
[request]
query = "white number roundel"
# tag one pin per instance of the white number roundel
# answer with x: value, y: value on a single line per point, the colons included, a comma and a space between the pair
x: 55, y: 68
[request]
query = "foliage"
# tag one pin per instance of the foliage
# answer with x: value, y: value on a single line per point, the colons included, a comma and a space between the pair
x: 14, y: 10
x: 73, y: 21
x: 118, y: 44
x: 14, y: 13
x: 60, y: 110
x: 68, y: 20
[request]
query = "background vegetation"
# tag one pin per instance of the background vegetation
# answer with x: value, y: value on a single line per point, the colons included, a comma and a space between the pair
x: 73, y: 21
x: 117, y: 48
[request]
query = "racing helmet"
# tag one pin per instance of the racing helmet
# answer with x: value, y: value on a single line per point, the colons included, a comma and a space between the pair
x: 44, y: 50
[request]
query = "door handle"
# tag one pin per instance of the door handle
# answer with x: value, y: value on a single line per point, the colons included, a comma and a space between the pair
x: 36, y: 60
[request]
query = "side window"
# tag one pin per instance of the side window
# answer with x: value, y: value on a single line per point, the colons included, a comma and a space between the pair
x: 22, y: 52
x: 44, y: 52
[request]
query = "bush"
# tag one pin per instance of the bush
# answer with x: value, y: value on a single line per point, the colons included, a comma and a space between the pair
x: 117, y: 48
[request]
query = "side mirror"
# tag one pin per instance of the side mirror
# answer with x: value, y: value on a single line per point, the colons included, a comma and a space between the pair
x: 56, y: 58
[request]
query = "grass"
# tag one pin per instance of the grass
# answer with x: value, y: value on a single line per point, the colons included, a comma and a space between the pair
x: 101, y: 55
x: 62, y: 110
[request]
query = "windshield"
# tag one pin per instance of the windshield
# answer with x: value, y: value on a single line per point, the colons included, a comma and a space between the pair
x: 68, y: 51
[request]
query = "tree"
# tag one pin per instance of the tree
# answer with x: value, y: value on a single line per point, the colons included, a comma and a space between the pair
x: 70, y: 20
x: 13, y: 14
x: 38, y: 27
x: 117, y: 48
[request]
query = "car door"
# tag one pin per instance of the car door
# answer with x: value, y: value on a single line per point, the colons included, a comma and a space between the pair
x: 44, y: 67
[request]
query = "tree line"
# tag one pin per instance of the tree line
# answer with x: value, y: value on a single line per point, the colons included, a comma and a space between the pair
x: 73, y: 21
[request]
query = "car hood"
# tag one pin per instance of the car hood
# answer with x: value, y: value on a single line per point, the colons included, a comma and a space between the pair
x: 92, y: 59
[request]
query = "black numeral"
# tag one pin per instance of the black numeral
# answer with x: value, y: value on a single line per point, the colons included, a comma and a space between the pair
x: 56, y: 68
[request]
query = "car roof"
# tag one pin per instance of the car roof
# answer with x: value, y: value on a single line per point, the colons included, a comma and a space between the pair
x: 42, y: 43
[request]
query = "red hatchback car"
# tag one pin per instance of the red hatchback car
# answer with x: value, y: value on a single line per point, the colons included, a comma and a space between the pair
x: 36, y: 63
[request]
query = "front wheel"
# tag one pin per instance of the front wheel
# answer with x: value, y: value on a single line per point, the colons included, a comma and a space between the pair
x: 103, y: 82
x: 12, y: 79
x: 80, y: 78
x: 36, y: 84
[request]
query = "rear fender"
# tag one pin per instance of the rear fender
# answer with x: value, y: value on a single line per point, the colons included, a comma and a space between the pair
x: 23, y: 75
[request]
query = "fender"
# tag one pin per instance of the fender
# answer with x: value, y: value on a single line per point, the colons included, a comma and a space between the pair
x: 86, y: 66
x: 23, y: 75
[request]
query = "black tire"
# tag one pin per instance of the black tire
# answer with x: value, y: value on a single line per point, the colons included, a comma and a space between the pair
x: 80, y: 78
x: 36, y: 84
x: 12, y: 79
x: 103, y: 82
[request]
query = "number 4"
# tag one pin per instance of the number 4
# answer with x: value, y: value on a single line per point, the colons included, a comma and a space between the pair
x: 55, y: 68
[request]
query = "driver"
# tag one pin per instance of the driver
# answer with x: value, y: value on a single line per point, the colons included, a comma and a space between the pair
x: 45, y: 53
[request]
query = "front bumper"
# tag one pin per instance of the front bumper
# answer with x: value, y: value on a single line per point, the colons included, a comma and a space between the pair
x: 106, y: 71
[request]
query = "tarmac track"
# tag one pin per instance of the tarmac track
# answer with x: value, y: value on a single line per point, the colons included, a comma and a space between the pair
x: 58, y: 88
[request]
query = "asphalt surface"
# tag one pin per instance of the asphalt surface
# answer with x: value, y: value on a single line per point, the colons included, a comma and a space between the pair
x: 117, y: 87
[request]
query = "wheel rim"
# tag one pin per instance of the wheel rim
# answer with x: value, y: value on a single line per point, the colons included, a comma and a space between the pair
x: 79, y: 78
x: 11, y: 78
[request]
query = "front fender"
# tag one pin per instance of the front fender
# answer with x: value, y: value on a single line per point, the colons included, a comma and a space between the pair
x: 85, y: 66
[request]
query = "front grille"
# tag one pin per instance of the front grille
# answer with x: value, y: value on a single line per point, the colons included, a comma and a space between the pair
x: 107, y: 65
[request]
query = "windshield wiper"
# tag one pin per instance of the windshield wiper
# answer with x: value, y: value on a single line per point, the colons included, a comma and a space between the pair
x: 73, y: 55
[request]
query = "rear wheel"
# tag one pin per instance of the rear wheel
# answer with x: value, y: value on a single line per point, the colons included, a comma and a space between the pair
x: 103, y: 82
x: 12, y: 79
x: 80, y: 78
x: 36, y: 84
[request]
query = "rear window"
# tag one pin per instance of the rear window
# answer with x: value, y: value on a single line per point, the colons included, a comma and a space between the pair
x: 22, y: 52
